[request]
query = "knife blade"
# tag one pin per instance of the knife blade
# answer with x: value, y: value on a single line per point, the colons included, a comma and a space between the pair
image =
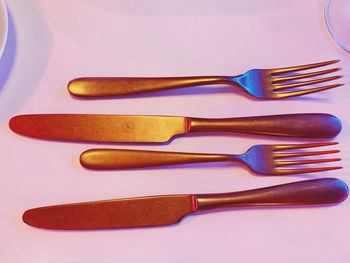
x: 132, y: 128
x: 170, y: 209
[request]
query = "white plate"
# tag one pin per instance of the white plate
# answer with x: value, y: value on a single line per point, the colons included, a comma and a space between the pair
x: 3, y: 26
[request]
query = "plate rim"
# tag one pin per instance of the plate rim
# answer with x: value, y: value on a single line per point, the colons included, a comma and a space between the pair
x: 3, y: 11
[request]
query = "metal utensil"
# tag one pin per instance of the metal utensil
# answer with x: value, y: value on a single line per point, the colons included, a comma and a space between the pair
x: 261, y: 159
x: 260, y: 83
x: 170, y: 209
x: 131, y: 128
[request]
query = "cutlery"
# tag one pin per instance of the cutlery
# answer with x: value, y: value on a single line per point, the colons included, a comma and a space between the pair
x: 131, y: 128
x: 260, y: 83
x: 261, y: 159
x: 170, y: 209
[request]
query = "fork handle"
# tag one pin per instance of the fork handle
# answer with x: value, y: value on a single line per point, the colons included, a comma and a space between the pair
x: 308, y: 192
x: 303, y: 125
x: 109, y: 87
x: 105, y: 159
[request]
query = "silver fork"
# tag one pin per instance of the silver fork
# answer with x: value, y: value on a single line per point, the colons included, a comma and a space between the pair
x: 260, y: 83
x: 262, y: 159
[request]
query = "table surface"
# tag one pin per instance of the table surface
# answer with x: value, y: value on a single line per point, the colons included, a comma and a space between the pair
x: 51, y: 42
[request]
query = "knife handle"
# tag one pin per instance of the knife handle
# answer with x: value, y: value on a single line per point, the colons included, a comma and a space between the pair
x: 127, y: 159
x: 109, y: 87
x: 303, y: 125
x: 309, y: 192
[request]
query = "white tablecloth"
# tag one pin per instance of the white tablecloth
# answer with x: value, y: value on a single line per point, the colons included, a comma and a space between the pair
x: 51, y: 42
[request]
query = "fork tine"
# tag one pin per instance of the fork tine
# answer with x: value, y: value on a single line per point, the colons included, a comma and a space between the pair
x: 304, y: 83
x: 298, y: 162
x: 305, y: 170
x: 300, y: 154
x: 303, y: 67
x: 302, y: 146
x: 300, y: 76
x: 303, y: 92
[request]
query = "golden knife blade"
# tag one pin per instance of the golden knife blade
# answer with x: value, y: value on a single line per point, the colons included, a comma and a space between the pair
x: 131, y: 128
x: 165, y: 210
x: 99, y: 128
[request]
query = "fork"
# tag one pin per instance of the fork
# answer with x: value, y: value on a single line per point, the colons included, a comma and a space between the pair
x: 261, y: 159
x: 260, y: 83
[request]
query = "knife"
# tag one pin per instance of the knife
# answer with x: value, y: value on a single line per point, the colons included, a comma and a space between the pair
x: 170, y: 209
x: 131, y: 128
